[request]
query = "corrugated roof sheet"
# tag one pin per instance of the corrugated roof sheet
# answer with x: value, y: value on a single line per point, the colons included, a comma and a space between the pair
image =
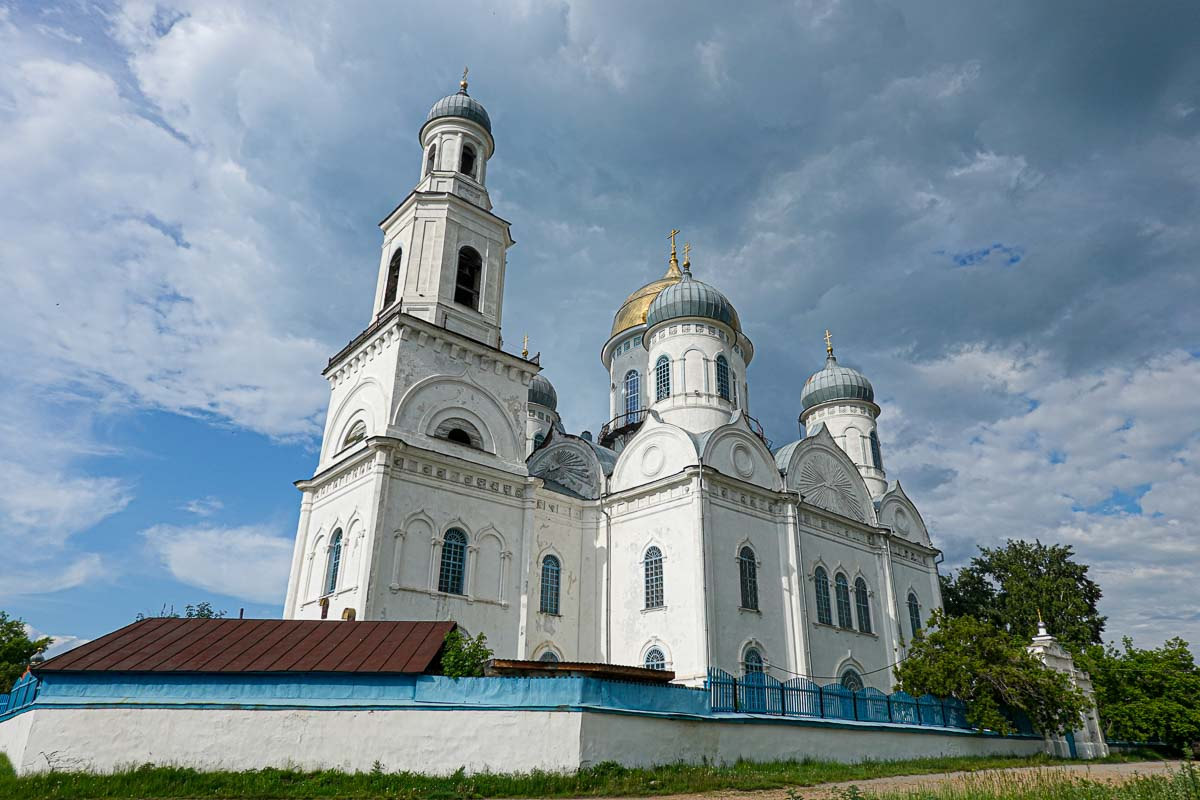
x: 258, y: 645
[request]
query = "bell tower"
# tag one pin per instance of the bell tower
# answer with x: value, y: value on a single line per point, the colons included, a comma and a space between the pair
x: 443, y: 256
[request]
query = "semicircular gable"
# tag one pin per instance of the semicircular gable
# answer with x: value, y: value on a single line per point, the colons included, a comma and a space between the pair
x: 570, y: 464
x: 439, y: 396
x: 898, y: 512
x: 657, y: 450
x: 735, y: 451
x: 826, y: 477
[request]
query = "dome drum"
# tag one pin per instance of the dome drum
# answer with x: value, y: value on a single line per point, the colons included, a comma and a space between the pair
x: 834, y: 383
x: 692, y: 298
x: 461, y: 106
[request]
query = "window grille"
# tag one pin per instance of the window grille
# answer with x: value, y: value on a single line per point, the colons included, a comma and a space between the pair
x: 852, y: 680
x: 723, y: 377
x: 653, y: 567
x: 876, y: 455
x: 662, y: 378
x: 914, y: 613
x: 821, y: 582
x: 862, y: 605
x: 335, y: 561
x: 633, y: 391
x: 551, y: 580
x: 655, y: 659
x: 454, y: 562
x: 550, y: 657
x: 748, y: 568
x: 842, y: 589
x: 753, y: 660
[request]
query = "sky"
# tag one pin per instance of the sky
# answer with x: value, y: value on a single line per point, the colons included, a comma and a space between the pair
x: 992, y: 206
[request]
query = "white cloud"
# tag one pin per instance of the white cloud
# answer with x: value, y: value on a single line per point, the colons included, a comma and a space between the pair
x: 249, y: 562
x: 60, y: 642
x: 203, y: 506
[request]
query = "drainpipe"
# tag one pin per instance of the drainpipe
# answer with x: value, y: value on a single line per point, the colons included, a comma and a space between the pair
x: 802, y: 587
x: 607, y: 583
x: 708, y: 655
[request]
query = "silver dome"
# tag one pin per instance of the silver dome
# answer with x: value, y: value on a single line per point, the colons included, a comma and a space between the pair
x: 835, y: 382
x: 541, y: 392
x: 692, y: 298
x: 461, y: 105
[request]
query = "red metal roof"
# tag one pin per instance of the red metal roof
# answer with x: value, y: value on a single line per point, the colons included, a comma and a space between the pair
x: 258, y: 645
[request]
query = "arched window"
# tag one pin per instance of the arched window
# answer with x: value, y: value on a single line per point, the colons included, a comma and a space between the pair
x: 393, y: 279
x: 733, y: 384
x: 862, y: 604
x: 655, y: 659
x: 551, y: 580
x: 633, y: 391
x: 467, y: 164
x: 550, y: 657
x: 842, y: 589
x: 821, y: 583
x: 538, y: 438
x: 653, y: 568
x: 662, y: 378
x: 748, y: 569
x: 470, y: 271
x: 458, y: 435
x: 357, y: 432
x: 752, y: 660
x: 914, y: 613
x: 454, y: 562
x: 431, y: 161
x: 334, y: 561
x: 852, y: 680
x: 876, y: 455
x: 723, y: 377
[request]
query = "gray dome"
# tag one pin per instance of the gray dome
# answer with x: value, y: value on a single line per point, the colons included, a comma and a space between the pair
x: 692, y: 298
x: 835, y: 382
x: 462, y: 105
x: 542, y: 393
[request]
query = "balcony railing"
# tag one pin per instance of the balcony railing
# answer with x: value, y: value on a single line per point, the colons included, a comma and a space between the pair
x: 623, y: 423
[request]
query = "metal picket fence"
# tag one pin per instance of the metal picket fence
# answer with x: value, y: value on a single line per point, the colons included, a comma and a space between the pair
x: 23, y: 693
x: 759, y: 693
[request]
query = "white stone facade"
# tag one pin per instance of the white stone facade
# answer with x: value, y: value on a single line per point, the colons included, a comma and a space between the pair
x: 442, y: 491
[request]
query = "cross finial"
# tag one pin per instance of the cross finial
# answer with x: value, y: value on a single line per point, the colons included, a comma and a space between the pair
x: 687, y: 257
x: 463, y: 83
x: 828, y: 342
x: 525, y: 347
x: 674, y: 232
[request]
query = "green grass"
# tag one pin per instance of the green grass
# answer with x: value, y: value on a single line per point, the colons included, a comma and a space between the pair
x: 147, y: 783
x: 1181, y: 784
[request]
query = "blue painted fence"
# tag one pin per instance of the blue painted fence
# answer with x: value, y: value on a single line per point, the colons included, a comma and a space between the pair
x: 23, y: 693
x: 759, y: 693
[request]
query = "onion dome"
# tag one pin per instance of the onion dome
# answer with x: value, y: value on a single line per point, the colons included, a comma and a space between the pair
x: 461, y: 104
x: 692, y: 298
x: 835, y: 382
x: 633, y: 311
x: 541, y: 392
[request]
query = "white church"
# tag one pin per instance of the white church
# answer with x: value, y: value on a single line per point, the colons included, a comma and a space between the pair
x: 448, y: 489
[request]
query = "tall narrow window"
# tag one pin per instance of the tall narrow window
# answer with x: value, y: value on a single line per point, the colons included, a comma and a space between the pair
x: 723, y: 377
x: 470, y: 271
x: 842, y: 589
x: 431, y: 161
x: 653, y: 568
x: 876, y: 455
x: 914, y: 613
x: 454, y: 562
x: 821, y: 583
x: 733, y: 385
x: 655, y: 659
x: 748, y: 568
x: 662, y: 378
x: 467, y: 164
x: 551, y: 580
x: 334, y: 562
x: 538, y: 438
x: 862, y: 604
x: 393, y: 279
x: 753, y: 660
x: 633, y: 391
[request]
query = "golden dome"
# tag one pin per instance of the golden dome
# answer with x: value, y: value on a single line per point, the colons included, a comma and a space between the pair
x: 633, y: 311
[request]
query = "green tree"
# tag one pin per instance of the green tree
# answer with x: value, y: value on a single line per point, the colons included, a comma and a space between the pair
x: 989, y: 670
x: 16, y: 648
x: 464, y: 657
x: 1147, y: 695
x: 1008, y: 585
x: 199, y: 611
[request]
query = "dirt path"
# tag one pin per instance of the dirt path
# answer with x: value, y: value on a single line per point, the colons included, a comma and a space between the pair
x: 1107, y: 773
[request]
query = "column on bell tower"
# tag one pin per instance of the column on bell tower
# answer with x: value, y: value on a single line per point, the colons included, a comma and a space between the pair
x: 444, y: 250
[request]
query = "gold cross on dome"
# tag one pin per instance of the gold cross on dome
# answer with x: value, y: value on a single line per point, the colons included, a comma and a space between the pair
x: 463, y: 82
x: 525, y: 347
x: 672, y: 236
x: 828, y: 342
x: 687, y: 249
